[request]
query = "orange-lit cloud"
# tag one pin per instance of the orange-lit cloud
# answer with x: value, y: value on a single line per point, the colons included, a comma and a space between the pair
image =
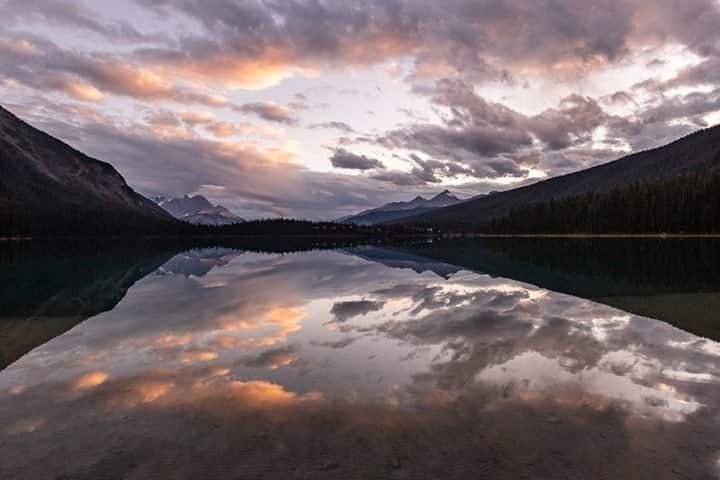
x: 173, y: 340
x: 193, y: 356
x: 227, y: 129
x: 195, y: 118
x: 89, y: 380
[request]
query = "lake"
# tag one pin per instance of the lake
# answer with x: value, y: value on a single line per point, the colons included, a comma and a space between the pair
x: 468, y: 358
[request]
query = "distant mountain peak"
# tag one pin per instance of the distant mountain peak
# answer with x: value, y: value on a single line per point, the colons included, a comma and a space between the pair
x: 444, y: 194
x: 396, y: 210
x: 198, y: 210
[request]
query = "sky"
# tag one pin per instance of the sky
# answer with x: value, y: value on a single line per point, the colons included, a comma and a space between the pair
x: 318, y: 109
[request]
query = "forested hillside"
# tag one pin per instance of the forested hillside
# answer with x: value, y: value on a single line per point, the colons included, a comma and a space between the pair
x: 698, y: 153
x: 684, y: 204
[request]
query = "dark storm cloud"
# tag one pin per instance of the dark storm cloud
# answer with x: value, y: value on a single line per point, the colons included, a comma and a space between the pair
x: 341, y: 158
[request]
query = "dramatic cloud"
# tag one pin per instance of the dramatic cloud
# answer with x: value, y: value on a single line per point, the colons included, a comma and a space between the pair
x: 41, y: 64
x: 241, y: 100
x: 262, y: 43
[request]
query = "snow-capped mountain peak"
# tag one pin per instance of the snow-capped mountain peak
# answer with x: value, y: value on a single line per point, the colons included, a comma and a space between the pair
x: 198, y: 210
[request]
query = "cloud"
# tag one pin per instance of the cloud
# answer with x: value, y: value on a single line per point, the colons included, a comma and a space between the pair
x: 483, y: 139
x: 341, y: 343
x: 82, y: 91
x: 68, y: 14
x: 465, y: 62
x: 42, y: 65
x: 272, y: 359
x: 341, y: 126
x: 254, y: 180
x: 269, y: 111
x: 195, y: 118
x: 572, y: 122
x: 344, y: 311
x: 227, y: 129
x: 259, y: 44
x: 341, y: 158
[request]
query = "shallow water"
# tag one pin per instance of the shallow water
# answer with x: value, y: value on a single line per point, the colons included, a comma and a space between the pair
x: 449, y: 359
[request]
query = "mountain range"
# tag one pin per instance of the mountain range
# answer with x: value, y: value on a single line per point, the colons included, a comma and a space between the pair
x: 197, y: 210
x: 398, y: 211
x: 46, y: 186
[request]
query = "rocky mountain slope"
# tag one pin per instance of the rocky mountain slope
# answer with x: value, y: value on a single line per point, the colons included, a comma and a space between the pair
x: 46, y: 186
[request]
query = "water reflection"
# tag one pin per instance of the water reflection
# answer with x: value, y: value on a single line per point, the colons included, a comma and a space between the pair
x: 672, y: 280
x: 365, y: 362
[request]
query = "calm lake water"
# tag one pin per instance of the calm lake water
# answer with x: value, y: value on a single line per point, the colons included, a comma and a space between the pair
x: 497, y: 359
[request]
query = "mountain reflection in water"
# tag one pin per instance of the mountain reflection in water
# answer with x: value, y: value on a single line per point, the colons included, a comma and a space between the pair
x: 362, y: 363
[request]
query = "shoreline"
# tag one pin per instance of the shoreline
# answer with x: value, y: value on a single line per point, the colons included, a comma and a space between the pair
x: 591, y: 235
x: 353, y: 237
x: 383, y: 237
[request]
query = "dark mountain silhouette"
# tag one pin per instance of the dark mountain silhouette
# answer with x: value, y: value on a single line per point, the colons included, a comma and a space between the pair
x: 695, y: 153
x: 48, y: 187
x: 399, y: 210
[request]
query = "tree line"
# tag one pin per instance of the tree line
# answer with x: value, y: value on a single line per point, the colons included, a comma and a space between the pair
x: 101, y: 223
x: 684, y: 204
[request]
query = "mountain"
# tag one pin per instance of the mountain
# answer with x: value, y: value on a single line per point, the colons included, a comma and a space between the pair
x: 695, y: 153
x: 662, y: 279
x: 198, y: 210
x: 400, y: 257
x: 687, y: 204
x: 50, y: 287
x: 199, y: 262
x: 400, y: 210
x: 48, y: 187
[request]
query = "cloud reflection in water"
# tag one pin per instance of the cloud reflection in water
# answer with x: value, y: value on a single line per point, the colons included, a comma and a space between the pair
x: 374, y: 364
